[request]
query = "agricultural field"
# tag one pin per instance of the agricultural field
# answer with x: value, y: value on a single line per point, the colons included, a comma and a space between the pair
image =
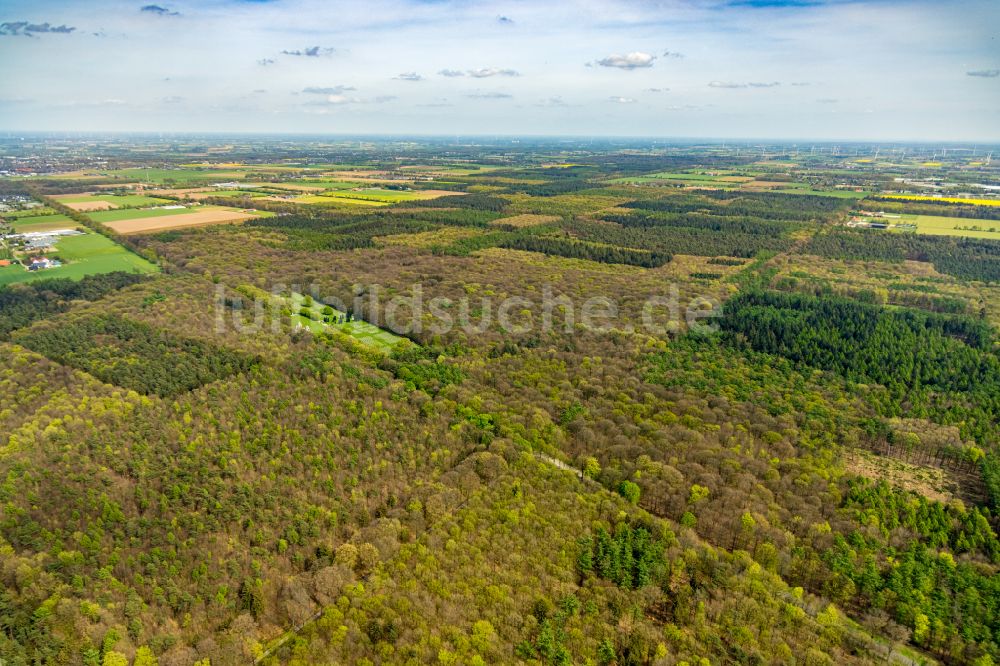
x: 330, y: 200
x: 97, y: 202
x: 42, y: 223
x: 948, y: 226
x: 184, y: 218
x: 322, y: 185
x: 181, y: 175
x: 130, y: 221
x: 289, y: 187
x: 951, y: 200
x: 82, y: 255
x: 388, y: 196
x: 27, y: 212
x: 105, y: 217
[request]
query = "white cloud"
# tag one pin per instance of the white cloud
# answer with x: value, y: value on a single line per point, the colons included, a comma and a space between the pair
x: 481, y: 73
x: 489, y: 95
x: 871, y: 51
x: 486, y: 72
x: 339, y: 99
x: 752, y: 84
x: 634, y: 60
x: 329, y: 90
x: 311, y: 51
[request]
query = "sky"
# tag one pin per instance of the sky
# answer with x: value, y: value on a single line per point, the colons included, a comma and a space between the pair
x: 779, y: 69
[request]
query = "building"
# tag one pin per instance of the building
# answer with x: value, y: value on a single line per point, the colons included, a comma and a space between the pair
x: 38, y: 245
x: 41, y: 263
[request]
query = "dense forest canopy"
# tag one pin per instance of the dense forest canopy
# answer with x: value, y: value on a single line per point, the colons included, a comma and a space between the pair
x: 233, y: 457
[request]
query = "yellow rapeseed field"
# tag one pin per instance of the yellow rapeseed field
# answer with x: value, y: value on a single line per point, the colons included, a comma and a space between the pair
x: 954, y: 200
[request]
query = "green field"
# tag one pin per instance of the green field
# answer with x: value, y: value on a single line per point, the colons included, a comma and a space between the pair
x: 89, y: 254
x: 360, y: 330
x: 338, y: 201
x: 177, y: 175
x: 377, y: 194
x: 43, y: 223
x: 27, y: 212
x: 116, y: 215
x: 328, y: 184
x: 122, y: 200
x: 949, y: 226
x: 238, y: 194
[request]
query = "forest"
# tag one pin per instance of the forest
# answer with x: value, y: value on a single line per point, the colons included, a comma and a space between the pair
x: 208, y: 466
x: 966, y: 258
x: 942, y: 366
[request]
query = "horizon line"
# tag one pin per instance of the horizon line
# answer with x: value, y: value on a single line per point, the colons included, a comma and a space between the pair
x: 8, y: 134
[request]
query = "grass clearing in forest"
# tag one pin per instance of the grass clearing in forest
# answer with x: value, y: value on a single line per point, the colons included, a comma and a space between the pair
x: 525, y: 220
x: 931, y: 482
x: 429, y: 239
x: 320, y: 321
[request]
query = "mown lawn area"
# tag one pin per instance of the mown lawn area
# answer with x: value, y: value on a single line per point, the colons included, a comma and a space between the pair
x: 362, y: 331
x: 87, y: 254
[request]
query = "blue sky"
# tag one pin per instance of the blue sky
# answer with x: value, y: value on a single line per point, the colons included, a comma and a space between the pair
x: 867, y: 70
